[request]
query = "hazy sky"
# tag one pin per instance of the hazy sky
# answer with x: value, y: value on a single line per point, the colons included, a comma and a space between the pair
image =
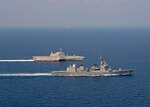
x: 59, y: 13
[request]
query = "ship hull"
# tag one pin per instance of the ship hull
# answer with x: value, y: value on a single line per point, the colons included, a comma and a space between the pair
x: 51, y: 59
x: 95, y: 73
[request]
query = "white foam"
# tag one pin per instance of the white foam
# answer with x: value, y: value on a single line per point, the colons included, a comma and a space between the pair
x: 20, y: 60
x: 111, y: 74
x: 25, y: 74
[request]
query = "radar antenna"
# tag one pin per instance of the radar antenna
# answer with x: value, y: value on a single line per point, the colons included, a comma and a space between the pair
x: 60, y: 49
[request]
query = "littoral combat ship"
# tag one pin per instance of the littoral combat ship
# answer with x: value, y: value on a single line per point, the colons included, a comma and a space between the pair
x: 58, y: 56
x: 102, y: 70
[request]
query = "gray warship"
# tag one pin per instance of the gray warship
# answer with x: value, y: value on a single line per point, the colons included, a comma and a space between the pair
x: 58, y: 56
x: 102, y: 70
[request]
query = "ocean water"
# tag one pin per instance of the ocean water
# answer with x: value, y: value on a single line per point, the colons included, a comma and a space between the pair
x: 122, y: 48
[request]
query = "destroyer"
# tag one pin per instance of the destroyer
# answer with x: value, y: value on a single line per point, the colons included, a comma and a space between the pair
x: 102, y: 70
x: 58, y: 56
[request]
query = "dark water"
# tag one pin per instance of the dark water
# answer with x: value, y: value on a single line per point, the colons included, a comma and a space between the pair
x: 122, y: 48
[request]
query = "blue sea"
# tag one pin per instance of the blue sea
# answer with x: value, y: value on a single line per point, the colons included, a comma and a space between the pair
x: 125, y: 48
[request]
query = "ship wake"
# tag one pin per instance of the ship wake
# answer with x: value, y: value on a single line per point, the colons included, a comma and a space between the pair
x: 50, y: 74
x: 25, y: 75
x: 18, y: 60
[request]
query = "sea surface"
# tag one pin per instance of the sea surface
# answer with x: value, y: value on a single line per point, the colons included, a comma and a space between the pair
x: 122, y: 48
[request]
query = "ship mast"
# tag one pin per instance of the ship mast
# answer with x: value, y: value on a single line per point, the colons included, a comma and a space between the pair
x: 102, y: 61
